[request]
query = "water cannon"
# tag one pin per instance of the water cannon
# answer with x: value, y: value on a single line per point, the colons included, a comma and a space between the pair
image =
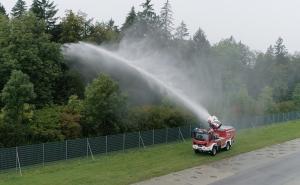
x: 213, y: 122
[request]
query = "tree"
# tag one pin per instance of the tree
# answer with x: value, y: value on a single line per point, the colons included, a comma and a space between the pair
x: 270, y: 51
x: 201, y: 43
x: 29, y: 48
x: 280, y: 51
x: 296, y: 95
x: 70, y: 118
x: 6, y: 64
x: 265, y: 101
x: 103, y: 32
x: 104, y: 107
x: 280, y: 72
x: 166, y: 19
x: 181, y: 31
x: 2, y: 10
x: 19, y: 9
x: 148, y: 12
x: 45, y: 10
x: 68, y: 84
x: 16, y: 95
x: 242, y: 103
x: 130, y: 19
x: 147, y: 22
x: 73, y: 27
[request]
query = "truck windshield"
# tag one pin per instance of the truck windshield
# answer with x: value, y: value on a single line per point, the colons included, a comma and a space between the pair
x: 201, y: 136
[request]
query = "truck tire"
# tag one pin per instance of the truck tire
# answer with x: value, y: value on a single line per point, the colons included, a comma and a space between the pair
x: 214, y: 151
x: 196, y: 151
x: 228, y: 146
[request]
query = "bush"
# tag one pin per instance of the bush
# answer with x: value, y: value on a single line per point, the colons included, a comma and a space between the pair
x: 156, y: 117
x: 71, y: 117
x: 45, y: 125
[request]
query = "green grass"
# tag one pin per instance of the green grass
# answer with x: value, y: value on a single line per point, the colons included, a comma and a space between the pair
x: 133, y: 166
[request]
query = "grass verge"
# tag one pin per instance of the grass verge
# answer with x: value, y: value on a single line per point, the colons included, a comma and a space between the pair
x: 133, y: 166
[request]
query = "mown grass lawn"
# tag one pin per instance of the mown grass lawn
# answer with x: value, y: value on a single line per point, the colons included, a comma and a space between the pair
x: 137, y: 165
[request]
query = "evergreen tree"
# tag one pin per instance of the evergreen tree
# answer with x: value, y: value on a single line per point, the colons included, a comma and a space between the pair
x: 130, y: 19
x: 166, y: 19
x: 87, y: 23
x: 111, y: 26
x: 201, y: 43
x: 146, y: 22
x: 247, y: 57
x: 2, y: 10
x: 148, y: 12
x: 73, y: 27
x: 270, y: 51
x: 280, y: 51
x: 45, y: 10
x: 19, y: 9
x: 181, y: 31
x: 103, y: 32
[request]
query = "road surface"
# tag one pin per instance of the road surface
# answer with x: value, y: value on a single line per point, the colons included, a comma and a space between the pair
x: 284, y: 171
x: 275, y: 165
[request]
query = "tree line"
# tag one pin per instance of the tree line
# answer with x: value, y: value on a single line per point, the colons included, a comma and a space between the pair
x: 43, y: 99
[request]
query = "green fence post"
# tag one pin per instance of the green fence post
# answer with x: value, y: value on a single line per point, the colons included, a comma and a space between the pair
x: 106, y: 145
x: 124, y: 137
x: 43, y: 154
x: 166, y: 135
x: 87, y: 148
x: 18, y: 164
x: 152, y: 136
x: 141, y: 139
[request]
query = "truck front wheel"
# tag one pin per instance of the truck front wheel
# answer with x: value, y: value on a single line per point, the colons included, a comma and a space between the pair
x: 214, y: 151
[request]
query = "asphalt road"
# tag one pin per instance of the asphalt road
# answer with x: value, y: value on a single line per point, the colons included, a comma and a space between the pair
x: 274, y: 165
x: 284, y: 171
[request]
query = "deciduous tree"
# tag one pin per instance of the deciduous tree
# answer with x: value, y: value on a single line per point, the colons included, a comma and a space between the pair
x: 104, y: 107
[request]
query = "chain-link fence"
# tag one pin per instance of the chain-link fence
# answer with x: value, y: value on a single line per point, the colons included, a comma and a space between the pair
x: 40, y: 154
x: 256, y: 121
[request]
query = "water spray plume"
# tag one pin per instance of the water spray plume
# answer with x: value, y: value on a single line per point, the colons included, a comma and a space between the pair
x: 176, y: 94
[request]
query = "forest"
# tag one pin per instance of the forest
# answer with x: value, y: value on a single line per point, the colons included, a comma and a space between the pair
x: 44, y: 98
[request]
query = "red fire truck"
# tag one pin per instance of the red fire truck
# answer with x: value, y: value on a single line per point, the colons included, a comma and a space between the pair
x: 214, y: 139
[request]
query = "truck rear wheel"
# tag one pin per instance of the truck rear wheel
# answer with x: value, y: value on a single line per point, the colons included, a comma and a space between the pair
x: 214, y: 151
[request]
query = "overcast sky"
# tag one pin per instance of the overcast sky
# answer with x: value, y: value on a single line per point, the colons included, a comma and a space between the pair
x: 258, y: 23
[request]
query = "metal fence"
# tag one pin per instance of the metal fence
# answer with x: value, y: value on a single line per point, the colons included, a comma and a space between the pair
x: 41, y: 154
x: 22, y: 156
x: 256, y: 121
